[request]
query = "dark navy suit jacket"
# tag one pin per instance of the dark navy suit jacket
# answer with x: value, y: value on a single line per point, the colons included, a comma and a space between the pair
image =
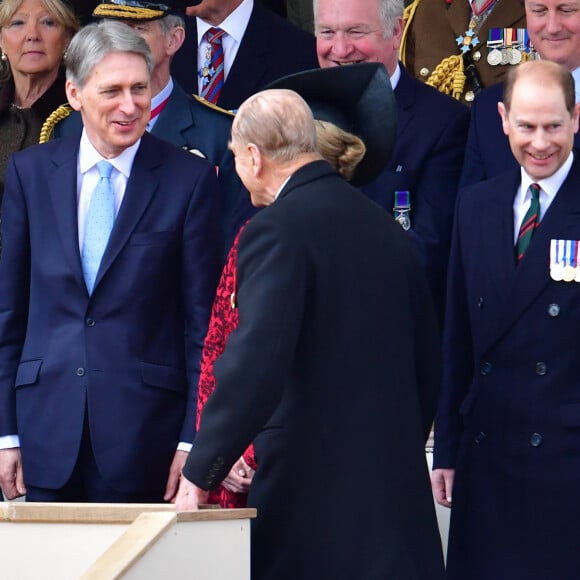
x: 128, y: 354
x: 426, y: 161
x: 271, y: 48
x: 509, y: 412
x: 189, y: 123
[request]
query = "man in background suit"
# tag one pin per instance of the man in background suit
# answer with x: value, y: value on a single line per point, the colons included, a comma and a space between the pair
x: 554, y: 29
x: 507, y: 430
x: 432, y: 128
x: 101, y: 329
x: 258, y: 46
x: 180, y: 119
x: 319, y: 265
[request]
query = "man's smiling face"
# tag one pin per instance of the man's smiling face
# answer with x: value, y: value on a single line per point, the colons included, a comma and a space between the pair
x: 349, y: 32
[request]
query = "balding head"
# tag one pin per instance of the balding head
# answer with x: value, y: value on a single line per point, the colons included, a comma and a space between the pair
x: 279, y: 122
x: 541, y: 72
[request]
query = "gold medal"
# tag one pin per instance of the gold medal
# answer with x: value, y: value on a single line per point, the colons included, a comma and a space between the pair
x: 569, y: 273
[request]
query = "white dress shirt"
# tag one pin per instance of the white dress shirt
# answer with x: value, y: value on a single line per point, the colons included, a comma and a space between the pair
x: 549, y: 189
x: 234, y: 27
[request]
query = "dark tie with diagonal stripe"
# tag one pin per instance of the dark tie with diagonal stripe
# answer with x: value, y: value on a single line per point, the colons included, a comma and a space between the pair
x: 215, y: 67
x: 529, y: 223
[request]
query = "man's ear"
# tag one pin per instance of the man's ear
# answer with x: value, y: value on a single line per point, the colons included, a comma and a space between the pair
x: 174, y: 39
x: 256, y: 159
x: 73, y: 95
x: 504, y: 117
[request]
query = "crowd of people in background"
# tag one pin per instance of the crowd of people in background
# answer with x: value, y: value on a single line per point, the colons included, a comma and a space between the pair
x: 389, y: 190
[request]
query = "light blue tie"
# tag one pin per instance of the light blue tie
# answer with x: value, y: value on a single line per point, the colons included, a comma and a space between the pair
x: 98, y: 225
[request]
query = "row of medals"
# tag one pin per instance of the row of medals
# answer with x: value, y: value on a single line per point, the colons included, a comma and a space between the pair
x: 509, y: 54
x: 564, y: 260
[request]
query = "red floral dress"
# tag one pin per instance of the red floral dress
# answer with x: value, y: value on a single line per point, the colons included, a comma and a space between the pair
x: 224, y: 318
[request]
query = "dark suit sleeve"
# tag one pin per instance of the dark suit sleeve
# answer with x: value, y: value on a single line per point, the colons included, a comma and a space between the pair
x: 251, y: 373
x: 458, y: 357
x: 201, y: 263
x: 437, y: 186
x: 473, y: 165
x: 14, y: 292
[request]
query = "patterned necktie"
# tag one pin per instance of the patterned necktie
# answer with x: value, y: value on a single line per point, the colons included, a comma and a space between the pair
x: 529, y: 223
x: 212, y: 72
x: 98, y: 225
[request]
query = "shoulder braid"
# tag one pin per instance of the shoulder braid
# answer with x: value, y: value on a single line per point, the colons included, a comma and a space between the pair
x: 408, y: 15
x: 206, y: 103
x: 448, y: 76
x: 55, y: 117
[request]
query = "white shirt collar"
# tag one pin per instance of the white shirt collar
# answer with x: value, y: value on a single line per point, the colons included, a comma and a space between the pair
x: 550, y: 185
x: 396, y: 76
x: 162, y: 95
x: 576, y: 76
x: 234, y: 25
x: 89, y: 157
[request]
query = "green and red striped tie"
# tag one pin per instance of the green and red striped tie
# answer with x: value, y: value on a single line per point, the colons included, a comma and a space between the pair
x: 529, y: 223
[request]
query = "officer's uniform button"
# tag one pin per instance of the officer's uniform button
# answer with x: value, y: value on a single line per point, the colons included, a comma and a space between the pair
x: 90, y: 322
x: 480, y: 437
x: 424, y: 72
x: 80, y: 372
x: 469, y: 96
x: 554, y: 310
x: 541, y: 369
x: 485, y: 368
x: 536, y: 440
x: 480, y: 302
x: 476, y: 55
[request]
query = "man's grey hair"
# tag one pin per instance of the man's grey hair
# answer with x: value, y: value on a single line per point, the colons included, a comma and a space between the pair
x: 389, y: 11
x: 278, y: 122
x: 94, y: 42
x: 170, y: 22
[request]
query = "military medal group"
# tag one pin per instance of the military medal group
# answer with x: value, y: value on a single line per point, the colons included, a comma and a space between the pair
x: 564, y: 260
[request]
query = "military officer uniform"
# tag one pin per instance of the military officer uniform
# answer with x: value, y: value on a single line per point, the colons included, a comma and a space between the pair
x: 438, y: 29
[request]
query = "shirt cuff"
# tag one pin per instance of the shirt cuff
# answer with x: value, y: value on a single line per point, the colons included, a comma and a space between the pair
x: 10, y: 441
x: 181, y: 447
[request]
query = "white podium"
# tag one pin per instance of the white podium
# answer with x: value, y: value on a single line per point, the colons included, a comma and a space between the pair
x: 55, y: 541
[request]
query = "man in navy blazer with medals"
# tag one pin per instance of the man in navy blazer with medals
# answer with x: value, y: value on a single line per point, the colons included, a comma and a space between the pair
x: 111, y: 257
x: 259, y: 47
x: 419, y: 185
x: 507, y: 432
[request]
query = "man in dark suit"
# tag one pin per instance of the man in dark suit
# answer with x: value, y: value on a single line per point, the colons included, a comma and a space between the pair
x: 258, y: 46
x: 555, y: 34
x: 507, y: 429
x: 111, y: 256
x: 432, y: 128
x: 180, y: 119
x: 334, y: 367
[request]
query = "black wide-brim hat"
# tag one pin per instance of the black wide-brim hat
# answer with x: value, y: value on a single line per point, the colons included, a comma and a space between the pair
x: 359, y: 99
x: 139, y: 9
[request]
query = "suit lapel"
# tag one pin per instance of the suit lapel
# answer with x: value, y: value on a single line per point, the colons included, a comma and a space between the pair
x: 251, y: 61
x: 405, y: 95
x: 532, y: 274
x: 142, y: 185
x: 175, y: 119
x: 63, y: 192
x: 458, y: 15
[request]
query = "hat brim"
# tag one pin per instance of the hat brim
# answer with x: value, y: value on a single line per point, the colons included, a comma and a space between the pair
x: 120, y: 12
x: 359, y: 99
